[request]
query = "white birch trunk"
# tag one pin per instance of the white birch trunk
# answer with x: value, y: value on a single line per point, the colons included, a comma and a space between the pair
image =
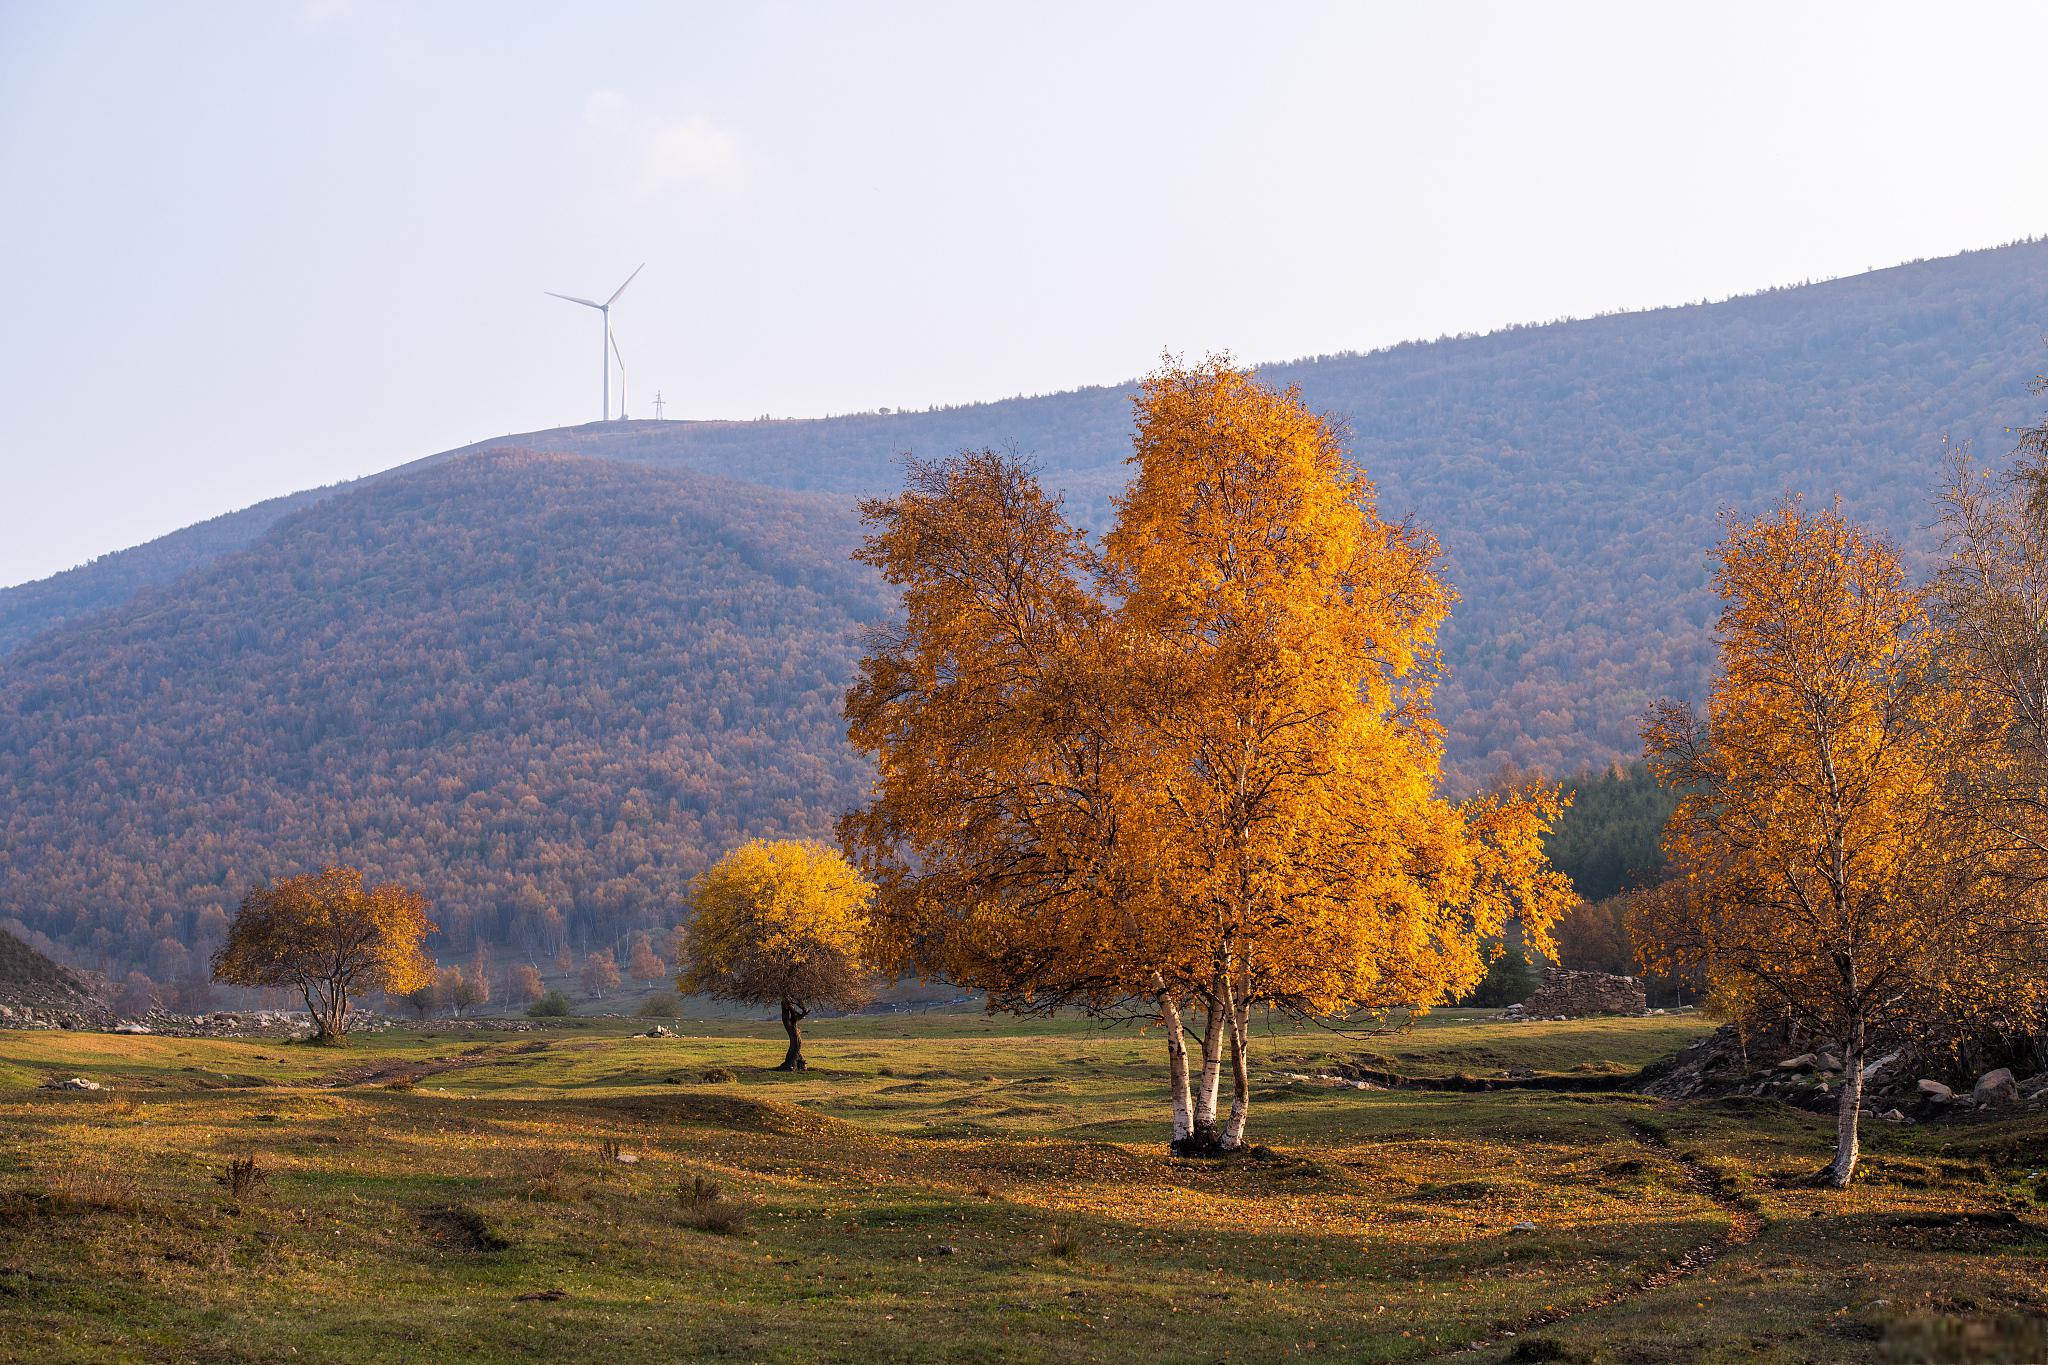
x: 1240, y: 1073
x: 1213, y: 1029
x: 1177, y: 1068
x: 1850, y: 1112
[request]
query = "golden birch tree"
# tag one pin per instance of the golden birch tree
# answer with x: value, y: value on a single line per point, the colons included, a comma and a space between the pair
x: 1829, y: 864
x: 1195, y: 766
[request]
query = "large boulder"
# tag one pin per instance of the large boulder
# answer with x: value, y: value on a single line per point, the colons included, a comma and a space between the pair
x: 1574, y: 995
x: 1996, y: 1087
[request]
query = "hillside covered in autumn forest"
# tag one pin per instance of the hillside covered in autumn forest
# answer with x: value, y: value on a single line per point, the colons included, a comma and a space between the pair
x: 541, y: 688
x: 549, y: 686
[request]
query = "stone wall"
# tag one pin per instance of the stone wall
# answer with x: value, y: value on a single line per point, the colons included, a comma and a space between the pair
x: 1572, y: 995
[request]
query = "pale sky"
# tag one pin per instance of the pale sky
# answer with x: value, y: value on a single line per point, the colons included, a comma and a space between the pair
x: 257, y: 247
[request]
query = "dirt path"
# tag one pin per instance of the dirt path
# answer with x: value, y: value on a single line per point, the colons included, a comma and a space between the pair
x: 388, y: 1072
x: 1743, y: 1227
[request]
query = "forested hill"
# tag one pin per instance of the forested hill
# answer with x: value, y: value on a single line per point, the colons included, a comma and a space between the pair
x: 543, y: 689
x: 1574, y: 471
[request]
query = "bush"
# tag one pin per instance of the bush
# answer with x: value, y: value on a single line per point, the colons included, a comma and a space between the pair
x: 718, y: 1075
x: 242, y: 1176
x: 705, y: 1207
x: 553, y: 1005
x: 1510, y: 979
x: 662, y: 1005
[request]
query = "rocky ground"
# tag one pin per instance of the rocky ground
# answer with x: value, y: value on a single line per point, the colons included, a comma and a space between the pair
x: 1897, y: 1085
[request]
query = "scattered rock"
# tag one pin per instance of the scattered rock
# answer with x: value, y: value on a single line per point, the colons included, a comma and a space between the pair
x: 130, y: 1026
x: 947, y: 1249
x: 1523, y: 1228
x: 1828, y: 1061
x: 1996, y: 1087
x: 657, y: 1032
x: 74, y: 1083
x: 1936, y: 1091
x: 540, y: 1296
x: 1892, y: 1116
x: 1804, y: 1059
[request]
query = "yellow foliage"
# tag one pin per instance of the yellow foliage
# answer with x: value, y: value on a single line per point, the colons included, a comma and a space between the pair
x: 1198, y: 763
x: 331, y: 938
x: 780, y: 921
x: 1832, y: 863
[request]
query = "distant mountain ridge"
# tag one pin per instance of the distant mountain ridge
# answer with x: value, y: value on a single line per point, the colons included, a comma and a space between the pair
x: 368, y: 668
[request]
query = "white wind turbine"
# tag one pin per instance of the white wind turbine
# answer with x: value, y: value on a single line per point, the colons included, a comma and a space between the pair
x: 606, y: 346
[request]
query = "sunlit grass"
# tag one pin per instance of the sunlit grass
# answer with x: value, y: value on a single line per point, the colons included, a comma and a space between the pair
x: 948, y: 1188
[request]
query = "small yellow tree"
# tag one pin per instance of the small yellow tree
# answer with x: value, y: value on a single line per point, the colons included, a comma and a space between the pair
x: 781, y: 922
x: 332, y: 939
x: 1831, y: 863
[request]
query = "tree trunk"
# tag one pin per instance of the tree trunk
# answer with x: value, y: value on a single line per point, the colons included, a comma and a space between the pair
x: 321, y: 1007
x: 793, y: 1060
x: 1240, y: 1073
x: 1850, y: 1110
x: 1202, y: 1136
x: 1177, y: 1068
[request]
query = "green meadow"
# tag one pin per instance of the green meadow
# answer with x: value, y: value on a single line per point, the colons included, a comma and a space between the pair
x: 951, y: 1187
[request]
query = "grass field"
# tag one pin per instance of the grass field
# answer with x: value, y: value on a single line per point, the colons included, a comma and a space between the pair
x: 949, y: 1187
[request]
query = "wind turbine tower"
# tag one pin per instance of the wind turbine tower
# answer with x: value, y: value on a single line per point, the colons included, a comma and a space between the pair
x: 605, y: 345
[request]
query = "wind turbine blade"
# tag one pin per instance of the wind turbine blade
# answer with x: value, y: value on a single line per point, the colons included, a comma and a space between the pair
x: 571, y: 298
x: 615, y: 350
x: 622, y: 288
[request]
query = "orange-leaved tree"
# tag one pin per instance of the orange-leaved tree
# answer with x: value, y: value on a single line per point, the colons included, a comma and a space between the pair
x: 781, y: 922
x: 1830, y: 864
x: 1195, y: 766
x: 600, y: 973
x: 330, y: 937
x: 642, y: 962
x: 523, y: 985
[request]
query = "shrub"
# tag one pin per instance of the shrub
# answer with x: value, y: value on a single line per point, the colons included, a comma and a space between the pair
x: 705, y: 1207
x: 662, y: 1005
x: 1066, y: 1238
x: 1510, y: 979
x: 553, y: 1005
x: 242, y: 1176
x: 718, y: 1075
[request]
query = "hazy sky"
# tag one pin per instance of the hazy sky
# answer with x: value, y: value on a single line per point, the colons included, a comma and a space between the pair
x: 257, y: 247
